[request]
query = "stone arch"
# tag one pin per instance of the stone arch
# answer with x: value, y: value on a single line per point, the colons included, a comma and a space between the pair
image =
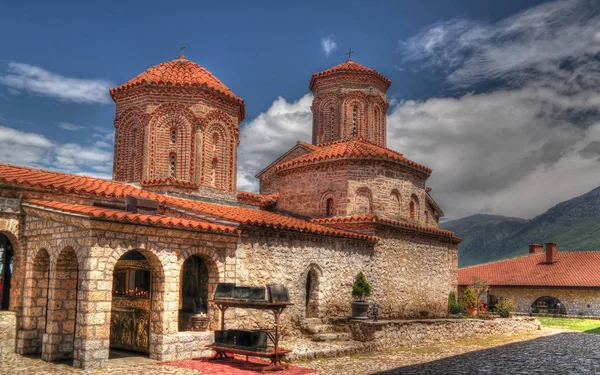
x: 363, y: 201
x: 328, y: 204
x: 164, y: 120
x: 548, y: 304
x: 414, y: 207
x: 395, y: 205
x: 218, y: 154
x: 328, y: 118
x: 215, y: 271
x: 312, y: 279
x: 59, y: 339
x: 164, y: 289
x: 35, y: 303
x: 355, y: 110
x: 129, y: 146
x: 11, y: 229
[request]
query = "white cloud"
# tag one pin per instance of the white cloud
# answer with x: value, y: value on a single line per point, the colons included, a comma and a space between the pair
x: 69, y: 126
x: 550, y: 41
x: 36, y: 80
x: 31, y: 149
x: 269, y: 135
x: 329, y: 45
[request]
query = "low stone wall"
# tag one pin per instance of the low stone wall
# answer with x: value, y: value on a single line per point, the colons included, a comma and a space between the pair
x: 417, y: 332
x: 382, y: 335
x: 185, y: 345
x: 8, y: 332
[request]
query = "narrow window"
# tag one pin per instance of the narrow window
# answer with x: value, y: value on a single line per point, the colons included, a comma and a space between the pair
x: 213, y: 172
x: 172, y: 164
x: 173, y: 136
x: 354, y: 110
x: 412, y: 210
x: 329, y: 207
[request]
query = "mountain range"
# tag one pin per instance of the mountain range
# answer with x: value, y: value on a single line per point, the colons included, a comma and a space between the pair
x: 574, y: 224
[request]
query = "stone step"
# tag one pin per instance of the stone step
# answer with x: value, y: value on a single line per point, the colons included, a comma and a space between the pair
x: 308, y: 321
x: 318, y: 328
x: 330, y: 336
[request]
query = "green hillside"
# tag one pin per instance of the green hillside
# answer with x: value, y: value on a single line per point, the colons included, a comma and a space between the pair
x: 573, y: 224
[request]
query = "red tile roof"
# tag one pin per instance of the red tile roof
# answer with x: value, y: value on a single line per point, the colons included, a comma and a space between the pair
x: 348, y: 67
x: 572, y: 269
x: 170, y: 181
x: 134, y: 218
x: 178, y: 72
x: 355, y: 148
x: 75, y: 184
x: 258, y: 200
x: 376, y: 219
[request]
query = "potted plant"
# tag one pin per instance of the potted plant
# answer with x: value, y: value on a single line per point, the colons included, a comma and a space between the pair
x: 361, y: 289
x: 470, y: 301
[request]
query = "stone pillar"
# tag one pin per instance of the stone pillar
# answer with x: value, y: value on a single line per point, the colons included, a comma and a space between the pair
x: 92, y: 337
x: 35, y: 299
x: 62, y: 298
x: 8, y: 332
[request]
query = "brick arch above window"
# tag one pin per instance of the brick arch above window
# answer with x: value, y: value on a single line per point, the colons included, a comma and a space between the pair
x: 395, y: 204
x: 129, y: 146
x: 414, y: 207
x: 363, y: 201
x: 218, y: 156
x: 328, y: 204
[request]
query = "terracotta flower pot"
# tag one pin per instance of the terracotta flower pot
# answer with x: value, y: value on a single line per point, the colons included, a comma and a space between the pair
x: 472, y: 311
x: 360, y: 310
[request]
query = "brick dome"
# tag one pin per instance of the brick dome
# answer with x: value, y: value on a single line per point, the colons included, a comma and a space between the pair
x: 178, y: 72
x: 350, y: 66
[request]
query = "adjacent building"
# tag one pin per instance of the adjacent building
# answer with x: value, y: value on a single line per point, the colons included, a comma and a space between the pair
x: 565, y: 282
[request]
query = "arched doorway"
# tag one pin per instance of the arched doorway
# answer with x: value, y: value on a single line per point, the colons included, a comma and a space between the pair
x: 194, y: 291
x: 6, y: 269
x: 312, y: 296
x: 548, y: 305
x: 131, y: 303
x: 62, y: 308
x: 35, y: 305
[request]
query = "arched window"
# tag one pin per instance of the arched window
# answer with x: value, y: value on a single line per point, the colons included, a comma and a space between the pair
x: 354, y: 120
x: 213, y: 172
x: 549, y: 305
x: 395, y: 203
x: 376, y: 124
x: 329, y: 207
x: 426, y: 218
x: 414, y: 207
x: 173, y: 136
x: 172, y: 164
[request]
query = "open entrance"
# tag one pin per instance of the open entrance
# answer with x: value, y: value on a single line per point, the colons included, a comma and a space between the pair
x: 312, y: 297
x: 131, y: 304
x: 6, y: 268
x: 548, y: 305
x: 193, y: 309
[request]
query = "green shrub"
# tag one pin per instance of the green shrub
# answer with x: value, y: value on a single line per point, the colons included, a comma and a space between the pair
x: 470, y: 300
x: 454, y: 307
x: 485, y: 316
x: 505, y: 306
x: 451, y: 298
x: 361, y: 287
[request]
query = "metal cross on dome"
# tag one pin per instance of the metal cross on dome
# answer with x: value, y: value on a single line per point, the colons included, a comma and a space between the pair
x: 349, y: 53
x: 183, y: 46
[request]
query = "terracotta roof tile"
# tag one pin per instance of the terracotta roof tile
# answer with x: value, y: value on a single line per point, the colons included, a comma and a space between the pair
x: 135, y: 218
x: 348, y: 66
x: 178, y: 72
x: 355, y: 148
x: 572, y: 269
x: 75, y: 184
x: 259, y: 200
x: 376, y: 219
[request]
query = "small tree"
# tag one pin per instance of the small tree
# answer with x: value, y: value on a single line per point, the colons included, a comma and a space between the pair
x: 470, y: 300
x: 505, y: 306
x: 454, y: 307
x: 361, y: 287
x: 480, y: 287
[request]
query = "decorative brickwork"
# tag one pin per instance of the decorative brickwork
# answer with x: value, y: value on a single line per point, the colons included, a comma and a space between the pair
x: 176, y: 120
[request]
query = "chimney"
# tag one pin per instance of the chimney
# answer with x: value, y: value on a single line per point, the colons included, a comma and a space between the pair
x: 140, y: 205
x: 551, y: 252
x: 536, y: 248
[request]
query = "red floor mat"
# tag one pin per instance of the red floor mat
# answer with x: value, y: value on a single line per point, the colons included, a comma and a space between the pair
x: 237, y: 366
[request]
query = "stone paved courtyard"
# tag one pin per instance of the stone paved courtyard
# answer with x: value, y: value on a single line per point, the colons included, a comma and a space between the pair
x: 550, y: 351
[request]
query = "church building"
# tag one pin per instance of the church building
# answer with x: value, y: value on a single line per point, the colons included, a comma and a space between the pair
x: 89, y: 265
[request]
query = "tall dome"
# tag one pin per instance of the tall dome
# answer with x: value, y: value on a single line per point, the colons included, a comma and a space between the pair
x: 349, y: 100
x: 177, y: 128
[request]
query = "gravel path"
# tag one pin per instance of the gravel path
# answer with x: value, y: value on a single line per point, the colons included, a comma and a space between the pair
x: 550, y: 351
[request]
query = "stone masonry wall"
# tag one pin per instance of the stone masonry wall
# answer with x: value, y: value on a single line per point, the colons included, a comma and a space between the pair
x: 575, y: 301
x: 8, y: 332
x: 354, y: 186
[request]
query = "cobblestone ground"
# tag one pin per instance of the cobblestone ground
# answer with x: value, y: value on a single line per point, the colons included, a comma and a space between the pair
x: 549, y: 351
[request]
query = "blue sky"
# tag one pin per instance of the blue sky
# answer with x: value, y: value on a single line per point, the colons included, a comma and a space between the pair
x: 499, y: 98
